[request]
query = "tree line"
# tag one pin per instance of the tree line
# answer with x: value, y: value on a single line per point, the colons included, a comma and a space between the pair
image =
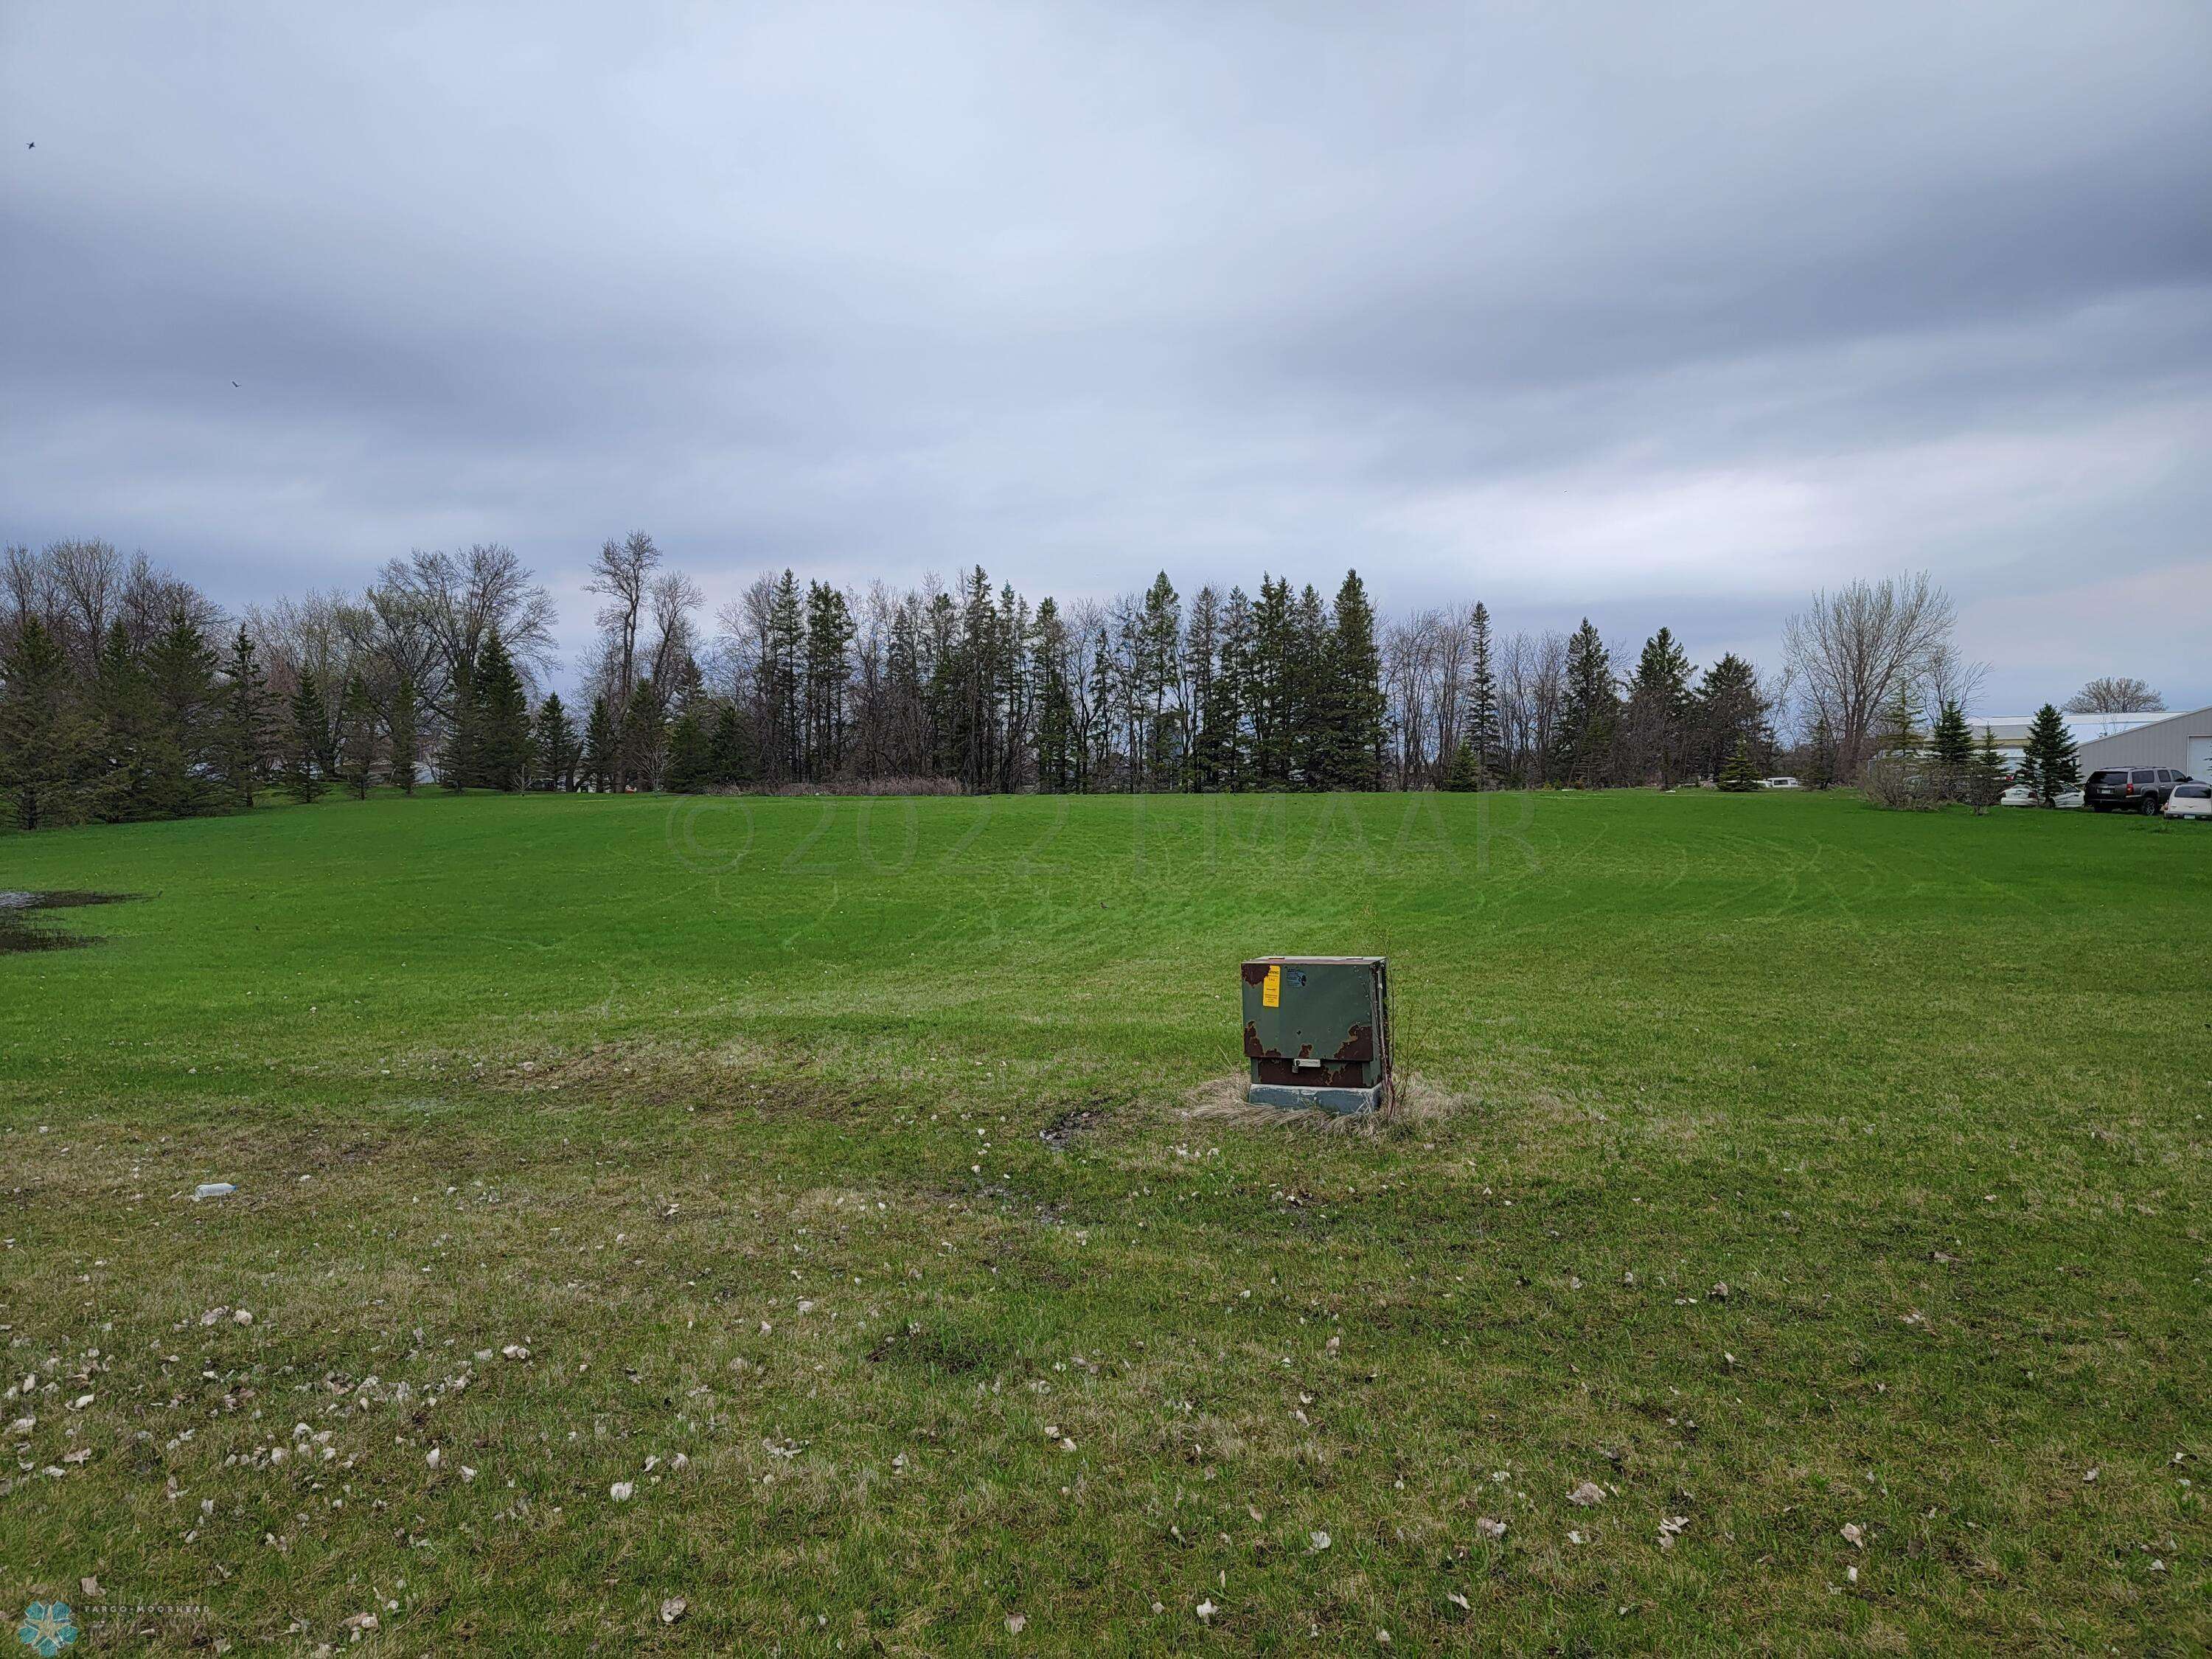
x: 126, y: 693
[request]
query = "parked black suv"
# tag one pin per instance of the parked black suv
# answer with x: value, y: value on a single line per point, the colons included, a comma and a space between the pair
x: 2131, y: 789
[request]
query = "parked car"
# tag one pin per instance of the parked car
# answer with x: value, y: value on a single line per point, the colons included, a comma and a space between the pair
x: 1780, y: 783
x: 2143, y: 789
x: 2190, y: 800
x: 2021, y: 795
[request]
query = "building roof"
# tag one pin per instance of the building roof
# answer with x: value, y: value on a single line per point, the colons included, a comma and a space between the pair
x: 2083, y: 728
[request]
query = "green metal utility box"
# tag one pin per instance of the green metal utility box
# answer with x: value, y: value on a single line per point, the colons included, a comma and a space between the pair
x: 1317, y: 1033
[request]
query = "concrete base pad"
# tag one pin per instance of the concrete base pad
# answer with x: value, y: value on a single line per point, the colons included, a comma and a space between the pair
x: 1293, y: 1097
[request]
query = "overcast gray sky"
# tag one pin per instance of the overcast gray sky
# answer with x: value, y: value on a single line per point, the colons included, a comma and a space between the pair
x: 1662, y: 313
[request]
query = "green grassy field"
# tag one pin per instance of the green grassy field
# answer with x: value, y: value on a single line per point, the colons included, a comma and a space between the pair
x: 858, y: 1182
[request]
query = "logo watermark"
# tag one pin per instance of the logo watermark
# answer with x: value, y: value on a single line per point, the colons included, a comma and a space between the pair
x: 48, y: 1628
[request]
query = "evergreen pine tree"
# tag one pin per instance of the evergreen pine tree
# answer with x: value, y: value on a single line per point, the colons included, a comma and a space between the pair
x: 643, y: 743
x: 732, y: 762
x: 1307, y: 683
x: 1350, y: 703
x: 129, y: 753
x: 1985, y: 775
x: 1950, y: 742
x: 1726, y: 710
x: 1482, y: 732
x: 48, y: 744
x: 306, y: 742
x: 358, y: 737
x: 457, y: 767
x: 241, y: 740
x: 1740, y: 775
x: 1465, y: 771
x: 1591, y: 710
x: 780, y: 669
x: 402, y: 735
x: 1821, y: 764
x: 502, y: 723
x: 180, y: 677
x: 554, y: 746
x: 1658, y: 711
x: 690, y: 769
x: 1272, y: 701
x: 2051, y: 754
x: 598, y: 766
x: 1900, y: 735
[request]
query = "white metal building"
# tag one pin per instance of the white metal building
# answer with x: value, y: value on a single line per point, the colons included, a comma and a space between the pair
x: 2009, y: 732
x: 2182, y: 742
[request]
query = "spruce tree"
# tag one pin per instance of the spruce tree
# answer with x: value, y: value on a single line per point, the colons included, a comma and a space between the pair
x: 180, y: 677
x: 358, y: 737
x: 402, y: 735
x: 1727, y: 708
x: 1352, y: 704
x: 457, y: 766
x: 1985, y: 775
x: 1230, y: 715
x: 1483, y: 734
x: 1740, y: 776
x: 554, y: 746
x: 1658, y: 712
x: 690, y: 755
x: 1951, y: 742
x: 733, y: 761
x: 641, y: 745
x: 48, y: 744
x: 1273, y: 702
x: 1307, y: 683
x: 1465, y: 772
x: 1591, y: 711
x: 599, y: 767
x: 241, y: 741
x: 131, y: 741
x: 502, y: 723
x: 1900, y: 735
x: 1821, y: 764
x: 306, y: 742
x: 2051, y: 754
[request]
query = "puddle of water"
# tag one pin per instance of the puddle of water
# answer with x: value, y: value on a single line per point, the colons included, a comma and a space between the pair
x: 18, y: 931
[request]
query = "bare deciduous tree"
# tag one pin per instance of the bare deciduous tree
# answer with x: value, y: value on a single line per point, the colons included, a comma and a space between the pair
x: 1851, y: 651
x: 671, y: 597
x: 620, y: 576
x: 2116, y: 693
x: 459, y: 601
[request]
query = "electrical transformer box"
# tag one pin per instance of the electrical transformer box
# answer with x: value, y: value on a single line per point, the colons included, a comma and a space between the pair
x: 1317, y: 1033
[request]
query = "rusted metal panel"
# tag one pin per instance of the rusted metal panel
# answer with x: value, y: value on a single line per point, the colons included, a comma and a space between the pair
x: 1316, y: 1030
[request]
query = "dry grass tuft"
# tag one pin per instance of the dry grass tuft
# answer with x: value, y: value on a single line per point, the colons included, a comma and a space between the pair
x: 1417, y: 1102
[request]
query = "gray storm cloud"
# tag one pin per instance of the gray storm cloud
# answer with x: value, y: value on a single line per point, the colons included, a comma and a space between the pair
x: 1664, y: 315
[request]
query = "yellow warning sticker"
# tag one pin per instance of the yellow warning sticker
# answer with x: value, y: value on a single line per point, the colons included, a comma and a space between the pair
x: 1271, y: 989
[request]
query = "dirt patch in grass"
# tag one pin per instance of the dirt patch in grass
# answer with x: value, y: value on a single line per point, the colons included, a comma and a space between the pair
x: 18, y: 931
x: 1065, y: 1130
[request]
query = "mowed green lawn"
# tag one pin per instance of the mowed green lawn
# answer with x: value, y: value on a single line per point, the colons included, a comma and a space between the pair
x: 730, y: 1113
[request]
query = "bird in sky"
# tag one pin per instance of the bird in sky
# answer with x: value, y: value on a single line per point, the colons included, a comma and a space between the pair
x: 235, y: 383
